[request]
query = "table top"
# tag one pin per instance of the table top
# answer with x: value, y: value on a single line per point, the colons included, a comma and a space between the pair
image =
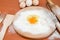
x: 11, y: 7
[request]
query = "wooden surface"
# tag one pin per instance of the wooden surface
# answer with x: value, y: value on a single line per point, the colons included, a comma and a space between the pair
x: 11, y: 7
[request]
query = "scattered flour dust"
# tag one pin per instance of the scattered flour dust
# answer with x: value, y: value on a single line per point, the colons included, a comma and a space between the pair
x: 11, y: 29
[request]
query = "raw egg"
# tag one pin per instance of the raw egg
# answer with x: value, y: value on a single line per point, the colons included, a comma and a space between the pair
x: 34, y: 22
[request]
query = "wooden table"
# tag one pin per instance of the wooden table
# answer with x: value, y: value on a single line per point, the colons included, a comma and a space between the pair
x: 11, y: 7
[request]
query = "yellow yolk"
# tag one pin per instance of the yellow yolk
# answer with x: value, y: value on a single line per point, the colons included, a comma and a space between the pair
x: 32, y: 19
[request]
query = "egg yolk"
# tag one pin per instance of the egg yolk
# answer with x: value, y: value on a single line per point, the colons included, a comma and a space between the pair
x: 32, y: 19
